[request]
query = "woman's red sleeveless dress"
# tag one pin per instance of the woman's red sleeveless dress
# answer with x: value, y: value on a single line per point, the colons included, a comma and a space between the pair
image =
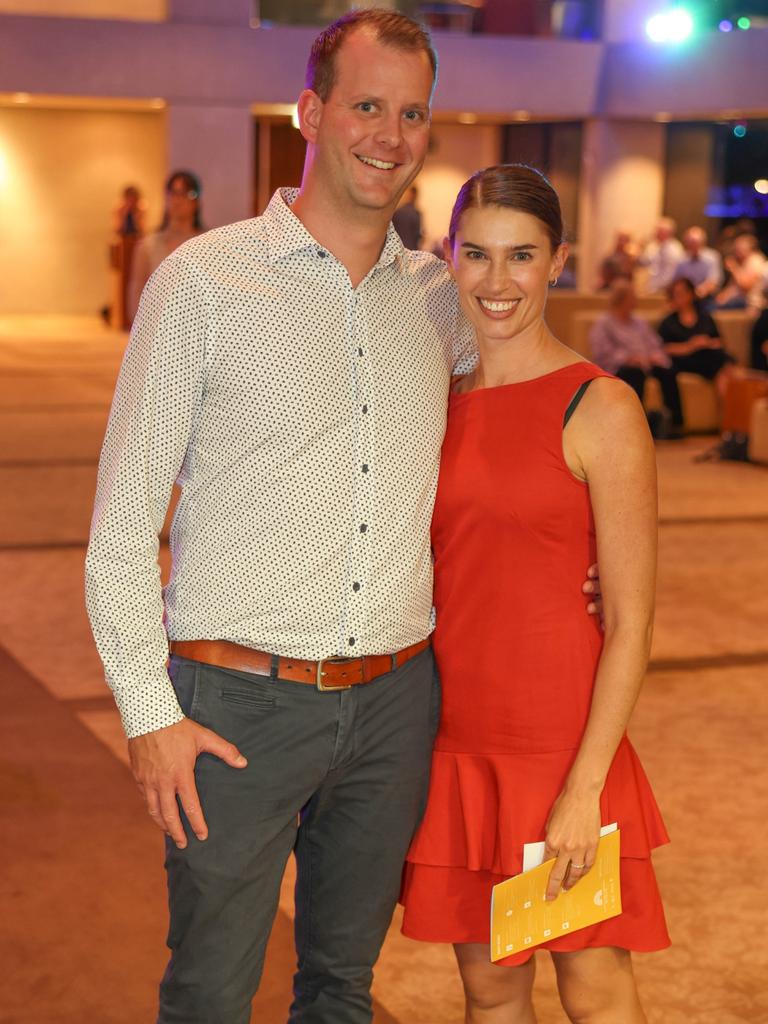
x: 513, y: 535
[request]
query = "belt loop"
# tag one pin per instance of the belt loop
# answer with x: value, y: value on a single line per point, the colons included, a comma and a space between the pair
x: 393, y: 656
x: 275, y: 667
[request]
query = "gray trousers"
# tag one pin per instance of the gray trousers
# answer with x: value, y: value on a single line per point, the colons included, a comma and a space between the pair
x: 339, y: 778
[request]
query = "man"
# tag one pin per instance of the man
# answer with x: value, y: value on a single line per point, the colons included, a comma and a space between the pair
x: 626, y: 345
x: 746, y: 266
x: 701, y: 265
x: 662, y: 255
x: 292, y: 372
x: 407, y: 221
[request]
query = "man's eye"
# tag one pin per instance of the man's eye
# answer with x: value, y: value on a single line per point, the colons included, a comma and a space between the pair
x: 366, y: 107
x: 475, y: 254
x: 414, y: 115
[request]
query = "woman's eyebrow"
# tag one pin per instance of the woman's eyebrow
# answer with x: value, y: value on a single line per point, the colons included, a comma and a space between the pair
x: 513, y: 248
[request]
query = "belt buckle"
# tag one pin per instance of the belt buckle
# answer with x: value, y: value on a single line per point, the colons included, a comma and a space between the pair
x: 319, y: 677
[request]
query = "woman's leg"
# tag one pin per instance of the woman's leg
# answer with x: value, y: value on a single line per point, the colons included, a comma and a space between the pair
x: 495, y: 995
x: 597, y: 986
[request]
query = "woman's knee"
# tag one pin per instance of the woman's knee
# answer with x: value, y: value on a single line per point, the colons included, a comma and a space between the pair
x: 597, y: 985
x: 489, y: 987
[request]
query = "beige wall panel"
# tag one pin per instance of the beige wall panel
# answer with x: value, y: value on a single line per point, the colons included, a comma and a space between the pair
x: 458, y: 151
x: 622, y: 187
x: 61, y: 173
x: 124, y: 10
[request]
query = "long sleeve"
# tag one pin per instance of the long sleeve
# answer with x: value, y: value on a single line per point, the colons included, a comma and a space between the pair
x: 158, y: 392
x: 655, y: 346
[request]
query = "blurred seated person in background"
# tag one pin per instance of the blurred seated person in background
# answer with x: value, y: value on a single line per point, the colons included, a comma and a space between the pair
x: 407, y: 221
x: 760, y: 342
x: 181, y: 222
x: 701, y: 265
x: 662, y: 255
x: 746, y: 267
x: 627, y: 346
x: 692, y: 339
x: 620, y: 262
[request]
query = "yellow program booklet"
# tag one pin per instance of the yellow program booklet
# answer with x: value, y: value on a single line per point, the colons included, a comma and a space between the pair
x: 522, y: 918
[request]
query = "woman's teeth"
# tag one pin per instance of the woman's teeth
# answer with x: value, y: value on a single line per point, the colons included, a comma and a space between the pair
x: 498, y: 307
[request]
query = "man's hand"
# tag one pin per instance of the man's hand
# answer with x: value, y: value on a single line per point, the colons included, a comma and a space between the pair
x: 592, y: 586
x: 163, y: 764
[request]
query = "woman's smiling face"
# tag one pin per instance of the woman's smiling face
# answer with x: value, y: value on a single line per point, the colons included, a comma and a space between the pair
x: 502, y: 262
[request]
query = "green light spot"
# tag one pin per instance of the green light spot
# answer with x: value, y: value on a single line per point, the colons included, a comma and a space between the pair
x: 744, y: 23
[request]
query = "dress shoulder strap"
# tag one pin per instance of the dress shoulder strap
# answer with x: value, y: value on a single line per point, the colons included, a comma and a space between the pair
x: 574, y: 402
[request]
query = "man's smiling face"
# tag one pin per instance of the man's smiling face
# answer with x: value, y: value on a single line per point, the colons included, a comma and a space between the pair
x: 370, y: 136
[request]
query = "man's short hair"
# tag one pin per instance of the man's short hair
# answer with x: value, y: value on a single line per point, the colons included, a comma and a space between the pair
x: 389, y: 27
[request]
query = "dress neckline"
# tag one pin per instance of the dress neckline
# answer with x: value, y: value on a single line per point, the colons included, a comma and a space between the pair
x: 519, y: 383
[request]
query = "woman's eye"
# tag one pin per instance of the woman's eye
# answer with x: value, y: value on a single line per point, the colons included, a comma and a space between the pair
x: 475, y: 254
x: 521, y: 257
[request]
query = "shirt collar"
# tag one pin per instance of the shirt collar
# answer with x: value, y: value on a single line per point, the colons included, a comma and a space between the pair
x: 286, y: 233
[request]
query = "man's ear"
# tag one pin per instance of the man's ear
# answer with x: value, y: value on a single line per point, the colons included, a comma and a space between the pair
x: 310, y: 112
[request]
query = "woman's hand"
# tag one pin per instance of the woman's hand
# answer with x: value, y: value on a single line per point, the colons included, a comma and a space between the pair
x: 573, y: 832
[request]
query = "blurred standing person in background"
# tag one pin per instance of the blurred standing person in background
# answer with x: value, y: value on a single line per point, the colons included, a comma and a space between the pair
x: 181, y: 221
x: 662, y: 255
x: 130, y: 214
x: 407, y: 221
x: 701, y: 265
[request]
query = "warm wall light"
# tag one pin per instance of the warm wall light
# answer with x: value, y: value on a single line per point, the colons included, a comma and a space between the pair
x: 663, y: 117
x: 521, y: 115
x: 467, y: 118
x: 295, y: 116
x: 158, y: 103
x: 761, y: 186
x: 21, y: 97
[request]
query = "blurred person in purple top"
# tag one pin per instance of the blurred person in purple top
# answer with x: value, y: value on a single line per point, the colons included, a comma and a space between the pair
x: 626, y: 345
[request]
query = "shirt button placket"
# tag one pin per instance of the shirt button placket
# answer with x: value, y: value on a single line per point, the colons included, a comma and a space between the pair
x: 365, y: 536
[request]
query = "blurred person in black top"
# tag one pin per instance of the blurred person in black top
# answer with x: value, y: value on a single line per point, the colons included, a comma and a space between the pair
x: 691, y: 337
x: 407, y: 221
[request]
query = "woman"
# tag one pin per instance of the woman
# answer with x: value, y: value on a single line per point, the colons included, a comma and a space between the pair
x: 181, y: 221
x: 692, y: 339
x: 547, y: 462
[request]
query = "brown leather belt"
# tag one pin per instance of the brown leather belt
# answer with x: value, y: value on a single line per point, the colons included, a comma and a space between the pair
x: 327, y: 674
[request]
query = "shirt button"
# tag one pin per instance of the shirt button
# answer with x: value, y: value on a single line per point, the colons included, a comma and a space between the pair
x: 359, y: 351
x: 363, y: 527
x: 365, y: 408
x: 365, y: 468
x: 355, y: 587
x: 322, y: 253
x: 351, y: 641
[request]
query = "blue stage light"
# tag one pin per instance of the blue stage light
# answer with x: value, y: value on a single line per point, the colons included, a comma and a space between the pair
x: 739, y: 130
x: 725, y: 25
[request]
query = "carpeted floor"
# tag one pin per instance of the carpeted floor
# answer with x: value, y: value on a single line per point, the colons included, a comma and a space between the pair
x: 83, y: 901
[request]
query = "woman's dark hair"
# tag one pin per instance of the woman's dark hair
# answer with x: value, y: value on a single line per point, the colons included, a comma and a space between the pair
x: 191, y: 183
x: 689, y: 285
x: 516, y: 187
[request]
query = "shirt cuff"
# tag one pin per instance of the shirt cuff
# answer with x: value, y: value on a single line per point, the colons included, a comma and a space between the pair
x: 148, y: 708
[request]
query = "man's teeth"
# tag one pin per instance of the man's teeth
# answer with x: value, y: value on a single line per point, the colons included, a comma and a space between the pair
x: 381, y: 164
x: 498, y: 307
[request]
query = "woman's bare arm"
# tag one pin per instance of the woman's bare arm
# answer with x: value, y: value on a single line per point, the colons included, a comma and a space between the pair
x: 608, y: 443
